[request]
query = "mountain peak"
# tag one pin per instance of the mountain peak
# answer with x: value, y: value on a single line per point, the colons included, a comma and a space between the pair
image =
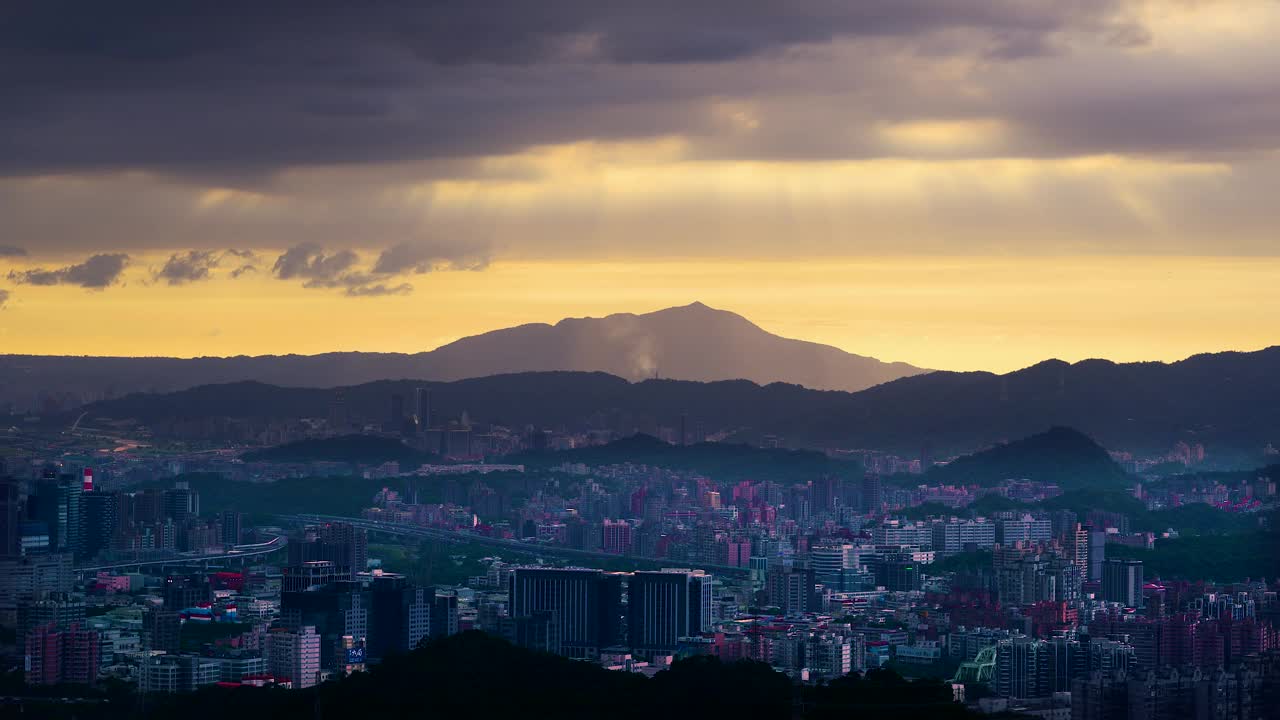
x: 1061, y: 455
x: 693, y: 309
x: 683, y: 342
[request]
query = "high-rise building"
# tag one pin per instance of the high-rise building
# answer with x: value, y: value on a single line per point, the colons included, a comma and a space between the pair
x: 617, y: 536
x: 663, y: 607
x: 60, y: 610
x: 399, y: 615
x: 148, y: 506
x: 1111, y: 657
x: 829, y: 561
x: 955, y: 536
x: 1122, y: 582
x: 1077, y: 541
x: 423, y: 408
x: 587, y: 605
x: 32, y: 578
x: 1023, y: 668
x: 793, y: 589
x: 444, y: 615
x: 186, y: 591
x: 180, y: 503
x: 100, y: 521
x: 333, y: 611
x: 310, y: 574
x: 343, y: 544
x: 825, y: 491
x: 839, y: 568
x: 56, y: 655
x: 181, y: 673
x: 56, y: 503
x: 161, y: 629
x: 897, y: 572
x: 872, y: 494
x: 232, y: 524
x: 1097, y: 553
x: 1024, y: 529
x: 9, y: 517
x: 293, y: 655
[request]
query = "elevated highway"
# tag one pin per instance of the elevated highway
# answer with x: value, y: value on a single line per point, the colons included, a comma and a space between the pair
x: 238, y: 555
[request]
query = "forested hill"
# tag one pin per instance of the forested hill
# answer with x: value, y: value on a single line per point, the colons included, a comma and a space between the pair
x: 1062, y: 456
x: 1230, y: 402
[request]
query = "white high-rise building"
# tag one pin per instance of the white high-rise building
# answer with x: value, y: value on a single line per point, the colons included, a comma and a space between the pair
x: 294, y: 655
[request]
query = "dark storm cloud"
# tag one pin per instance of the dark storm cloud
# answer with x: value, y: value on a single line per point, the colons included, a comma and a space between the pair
x: 191, y: 266
x: 454, y: 32
x: 12, y: 251
x: 97, y: 272
x: 238, y: 89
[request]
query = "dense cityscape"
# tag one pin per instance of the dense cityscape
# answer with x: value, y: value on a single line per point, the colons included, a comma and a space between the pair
x: 1019, y: 594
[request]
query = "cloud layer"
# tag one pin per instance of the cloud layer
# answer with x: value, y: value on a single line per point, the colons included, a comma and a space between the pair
x: 191, y: 266
x: 357, y: 147
x: 95, y: 273
x: 255, y: 87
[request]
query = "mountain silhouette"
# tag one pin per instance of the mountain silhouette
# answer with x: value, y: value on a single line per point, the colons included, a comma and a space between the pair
x: 1062, y: 456
x: 693, y: 342
x: 1230, y: 402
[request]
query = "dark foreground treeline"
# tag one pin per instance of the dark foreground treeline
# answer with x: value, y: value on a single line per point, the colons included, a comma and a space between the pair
x: 476, y: 675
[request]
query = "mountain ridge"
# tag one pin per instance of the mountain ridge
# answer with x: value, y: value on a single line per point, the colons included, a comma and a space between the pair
x: 1229, y: 402
x: 689, y: 342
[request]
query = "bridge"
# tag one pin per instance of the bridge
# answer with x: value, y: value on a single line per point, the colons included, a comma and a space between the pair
x: 237, y: 555
x: 458, y: 537
x: 981, y: 669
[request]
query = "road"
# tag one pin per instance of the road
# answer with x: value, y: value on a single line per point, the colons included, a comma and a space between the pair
x: 460, y: 537
x: 236, y: 555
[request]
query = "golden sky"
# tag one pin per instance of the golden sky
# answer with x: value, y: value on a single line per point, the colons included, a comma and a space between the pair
x: 978, y: 184
x: 964, y: 313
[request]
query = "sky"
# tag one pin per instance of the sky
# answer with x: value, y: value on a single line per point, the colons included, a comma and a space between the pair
x: 972, y: 184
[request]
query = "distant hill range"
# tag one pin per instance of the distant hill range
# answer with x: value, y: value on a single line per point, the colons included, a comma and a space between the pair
x: 1228, y: 401
x: 693, y: 342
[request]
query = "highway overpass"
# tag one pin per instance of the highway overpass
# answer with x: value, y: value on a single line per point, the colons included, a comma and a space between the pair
x: 237, y: 555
